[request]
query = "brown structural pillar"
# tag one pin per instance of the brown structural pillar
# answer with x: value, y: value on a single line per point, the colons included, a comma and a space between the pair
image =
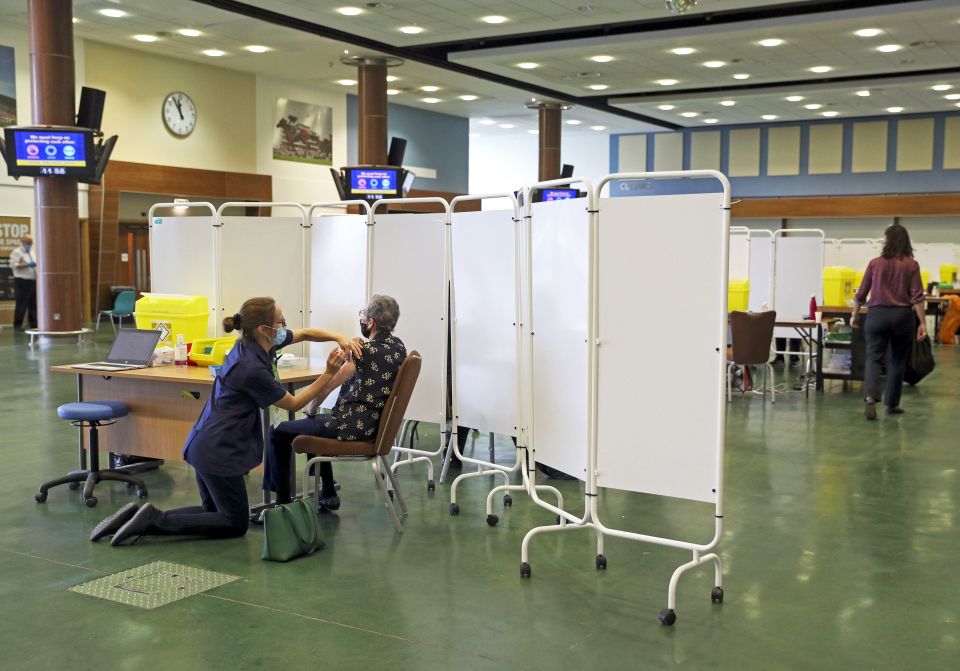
x: 56, y: 220
x: 549, y: 141
x: 372, y: 96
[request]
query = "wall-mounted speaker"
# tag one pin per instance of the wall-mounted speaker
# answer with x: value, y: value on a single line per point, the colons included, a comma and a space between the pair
x: 566, y: 171
x: 90, y: 112
x: 398, y: 147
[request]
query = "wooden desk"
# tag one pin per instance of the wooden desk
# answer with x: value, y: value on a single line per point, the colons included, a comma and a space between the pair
x: 164, y: 403
x: 805, y: 329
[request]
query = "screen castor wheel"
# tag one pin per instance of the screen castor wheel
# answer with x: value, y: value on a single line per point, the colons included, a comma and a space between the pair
x: 601, y: 562
x: 141, y: 492
x: 454, y: 509
x: 74, y: 486
x: 524, y: 570
x: 492, y: 520
x: 507, y: 500
x: 667, y: 617
x: 716, y: 596
x: 431, y: 486
x: 91, y: 502
x: 40, y: 496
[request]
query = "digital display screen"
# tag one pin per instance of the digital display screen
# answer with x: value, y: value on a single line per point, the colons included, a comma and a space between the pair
x: 548, y: 195
x: 374, y: 182
x: 37, y: 152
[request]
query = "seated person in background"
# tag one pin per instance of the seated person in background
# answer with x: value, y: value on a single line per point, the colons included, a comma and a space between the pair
x: 366, y: 383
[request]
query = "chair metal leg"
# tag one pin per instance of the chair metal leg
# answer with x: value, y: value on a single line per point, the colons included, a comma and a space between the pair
x: 729, y: 382
x: 773, y: 383
x: 386, y: 495
x: 113, y: 325
x: 96, y: 326
x: 121, y: 321
x: 393, y: 481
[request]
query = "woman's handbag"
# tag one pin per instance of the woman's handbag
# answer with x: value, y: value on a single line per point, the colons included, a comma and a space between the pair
x: 290, y: 530
x: 920, y: 363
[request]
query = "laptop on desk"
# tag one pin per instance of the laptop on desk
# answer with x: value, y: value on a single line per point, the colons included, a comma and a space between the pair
x: 132, y: 349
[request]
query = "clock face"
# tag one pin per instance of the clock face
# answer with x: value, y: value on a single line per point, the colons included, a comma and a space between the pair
x: 179, y: 114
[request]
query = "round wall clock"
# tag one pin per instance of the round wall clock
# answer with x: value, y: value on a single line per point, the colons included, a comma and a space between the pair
x: 179, y: 113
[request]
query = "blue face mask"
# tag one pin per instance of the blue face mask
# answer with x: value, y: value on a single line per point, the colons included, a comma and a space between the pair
x: 26, y: 248
x: 279, y: 336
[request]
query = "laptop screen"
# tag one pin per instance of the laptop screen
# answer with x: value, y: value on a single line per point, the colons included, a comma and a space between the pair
x: 133, y: 346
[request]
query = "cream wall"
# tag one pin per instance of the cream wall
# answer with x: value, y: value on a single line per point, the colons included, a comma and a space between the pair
x: 136, y: 84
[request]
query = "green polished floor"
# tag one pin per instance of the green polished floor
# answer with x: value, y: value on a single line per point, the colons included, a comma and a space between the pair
x: 840, y: 550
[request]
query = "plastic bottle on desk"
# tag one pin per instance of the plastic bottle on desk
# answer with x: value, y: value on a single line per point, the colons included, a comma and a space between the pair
x: 180, y: 351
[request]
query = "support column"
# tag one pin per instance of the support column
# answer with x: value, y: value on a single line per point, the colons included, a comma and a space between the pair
x: 56, y: 219
x: 372, y: 107
x: 549, y: 141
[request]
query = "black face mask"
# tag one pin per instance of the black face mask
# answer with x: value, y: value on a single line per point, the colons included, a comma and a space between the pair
x: 364, y: 330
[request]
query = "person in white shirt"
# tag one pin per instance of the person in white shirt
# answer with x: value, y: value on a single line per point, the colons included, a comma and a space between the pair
x: 24, y: 268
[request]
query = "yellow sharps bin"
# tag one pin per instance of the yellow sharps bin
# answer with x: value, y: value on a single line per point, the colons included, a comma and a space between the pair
x: 738, y: 295
x: 948, y: 274
x: 179, y: 313
x: 838, y: 285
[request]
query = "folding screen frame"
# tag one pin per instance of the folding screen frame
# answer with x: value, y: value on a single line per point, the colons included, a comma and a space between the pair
x: 590, y: 518
x: 742, y: 230
x: 849, y: 243
x: 755, y: 235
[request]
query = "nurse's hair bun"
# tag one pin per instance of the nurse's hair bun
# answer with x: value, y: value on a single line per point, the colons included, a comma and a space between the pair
x: 234, y: 323
x: 254, y: 313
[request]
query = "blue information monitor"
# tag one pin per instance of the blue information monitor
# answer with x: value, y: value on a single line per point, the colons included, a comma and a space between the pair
x: 374, y: 182
x: 40, y: 152
x: 548, y: 195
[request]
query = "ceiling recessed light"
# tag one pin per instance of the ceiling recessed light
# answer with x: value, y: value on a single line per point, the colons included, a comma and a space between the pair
x: 667, y: 82
x: 829, y: 113
x: 728, y: 103
x: 76, y: 20
x: 347, y: 82
x: 942, y: 87
x: 683, y: 51
x: 867, y: 32
x: 598, y: 128
x: 349, y: 11
x: 574, y: 122
x: 508, y: 126
x: 711, y: 121
x: 214, y: 53
x: 257, y: 49
x: 392, y: 78
x: 665, y: 108
x: 429, y: 89
x: 714, y: 64
x: 952, y: 96
x: 411, y: 30
x: 528, y: 66
x: 793, y: 99
x: 474, y: 135
x: 813, y: 106
x: 598, y: 87
x: 741, y: 75
x: 486, y: 122
x: 469, y: 97
x: 864, y: 93
x: 894, y: 110
x: 533, y: 131
x: 190, y: 32
x: 689, y: 115
x: 601, y: 59
x: 495, y: 19
x: 113, y: 13
x: 889, y: 48
x: 393, y: 92
x: 770, y: 42
x: 145, y: 38
x: 821, y: 69
x: 957, y: 105
x: 769, y: 117
x: 431, y: 101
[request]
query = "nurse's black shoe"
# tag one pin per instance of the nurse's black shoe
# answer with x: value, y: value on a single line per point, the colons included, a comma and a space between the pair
x: 329, y: 504
x: 112, y: 524
x: 137, y: 525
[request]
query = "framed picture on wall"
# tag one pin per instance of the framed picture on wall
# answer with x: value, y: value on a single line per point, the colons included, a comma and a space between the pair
x: 8, y: 88
x: 303, y: 132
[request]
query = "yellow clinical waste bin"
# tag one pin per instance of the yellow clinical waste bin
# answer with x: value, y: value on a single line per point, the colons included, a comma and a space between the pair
x: 948, y: 274
x: 925, y: 279
x: 178, y: 313
x: 211, y: 351
x: 838, y: 285
x: 738, y: 295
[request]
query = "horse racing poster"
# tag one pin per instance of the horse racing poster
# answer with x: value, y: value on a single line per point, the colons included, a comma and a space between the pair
x: 303, y: 133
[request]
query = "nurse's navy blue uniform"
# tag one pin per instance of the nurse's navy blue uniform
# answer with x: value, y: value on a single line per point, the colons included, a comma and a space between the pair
x: 225, y: 443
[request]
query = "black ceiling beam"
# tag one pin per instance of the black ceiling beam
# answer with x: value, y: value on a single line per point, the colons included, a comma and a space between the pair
x: 302, y: 25
x: 670, y: 22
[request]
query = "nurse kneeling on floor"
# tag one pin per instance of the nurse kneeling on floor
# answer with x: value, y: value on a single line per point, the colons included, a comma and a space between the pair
x: 227, y: 440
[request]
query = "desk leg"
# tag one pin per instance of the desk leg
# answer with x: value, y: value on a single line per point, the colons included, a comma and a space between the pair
x: 291, y: 415
x: 820, y: 357
x: 82, y: 452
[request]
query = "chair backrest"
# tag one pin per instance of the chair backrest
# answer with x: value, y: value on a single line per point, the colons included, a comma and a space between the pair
x: 125, y: 303
x: 752, y: 335
x: 392, y: 414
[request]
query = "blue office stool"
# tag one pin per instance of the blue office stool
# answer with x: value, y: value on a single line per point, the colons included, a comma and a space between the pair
x: 92, y: 416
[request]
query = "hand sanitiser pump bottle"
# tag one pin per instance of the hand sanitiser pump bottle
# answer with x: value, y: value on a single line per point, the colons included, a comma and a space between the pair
x: 180, y: 351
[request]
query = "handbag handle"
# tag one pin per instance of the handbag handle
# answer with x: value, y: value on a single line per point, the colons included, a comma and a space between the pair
x: 306, y: 546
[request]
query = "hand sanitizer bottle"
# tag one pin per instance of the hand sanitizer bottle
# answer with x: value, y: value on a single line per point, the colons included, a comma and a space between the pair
x: 180, y: 351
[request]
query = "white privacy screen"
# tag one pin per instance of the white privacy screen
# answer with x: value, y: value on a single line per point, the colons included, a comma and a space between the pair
x: 485, y: 298
x: 338, y: 268
x: 856, y: 254
x: 832, y: 255
x: 182, y: 259
x: 408, y: 264
x: 931, y: 256
x: 263, y: 256
x: 660, y: 363
x: 799, y: 274
x: 739, y: 256
x: 559, y: 351
x: 761, y: 270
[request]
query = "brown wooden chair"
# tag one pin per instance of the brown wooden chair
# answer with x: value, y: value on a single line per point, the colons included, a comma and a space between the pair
x: 752, y: 333
x: 330, y: 449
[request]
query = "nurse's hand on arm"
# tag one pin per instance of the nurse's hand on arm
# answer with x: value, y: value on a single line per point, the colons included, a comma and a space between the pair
x: 320, y: 335
x: 319, y: 388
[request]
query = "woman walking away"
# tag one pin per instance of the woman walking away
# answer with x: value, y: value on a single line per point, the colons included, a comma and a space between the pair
x: 893, y: 283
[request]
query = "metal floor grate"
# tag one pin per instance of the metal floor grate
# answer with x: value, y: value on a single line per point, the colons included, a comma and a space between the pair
x: 153, y: 585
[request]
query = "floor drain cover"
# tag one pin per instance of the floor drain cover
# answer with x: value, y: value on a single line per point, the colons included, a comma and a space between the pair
x: 153, y: 585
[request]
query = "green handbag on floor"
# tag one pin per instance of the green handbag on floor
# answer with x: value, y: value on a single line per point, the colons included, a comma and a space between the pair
x: 290, y: 530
